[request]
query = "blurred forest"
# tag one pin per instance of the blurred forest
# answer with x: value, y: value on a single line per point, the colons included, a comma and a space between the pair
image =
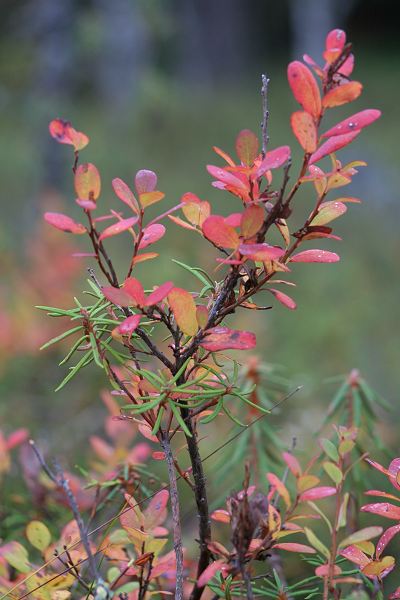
x: 155, y: 84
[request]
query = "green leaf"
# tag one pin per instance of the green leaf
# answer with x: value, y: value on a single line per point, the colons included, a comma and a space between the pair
x: 179, y: 418
x: 200, y: 274
x: 60, y: 337
x: 316, y: 542
x: 85, y: 360
x: 334, y: 472
x: 38, y: 535
x: 330, y: 449
x: 16, y: 556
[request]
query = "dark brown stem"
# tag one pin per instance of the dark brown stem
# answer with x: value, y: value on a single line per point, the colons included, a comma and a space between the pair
x: 176, y: 518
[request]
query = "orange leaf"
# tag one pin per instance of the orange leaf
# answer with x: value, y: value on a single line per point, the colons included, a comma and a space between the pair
x: 148, y: 198
x: 220, y: 233
x: 184, y: 310
x: 223, y: 338
x: 304, y: 88
x: 64, y: 133
x: 342, y: 94
x: 303, y: 127
x: 252, y: 220
x: 247, y: 146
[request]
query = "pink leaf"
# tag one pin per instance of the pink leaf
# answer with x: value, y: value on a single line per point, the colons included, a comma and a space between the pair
x: 317, y: 493
x: 332, y: 145
x: 134, y: 288
x: 151, y: 234
x: 129, y: 325
x: 292, y: 463
x: 145, y: 181
x: 354, y: 123
x: 155, y: 512
x: 220, y: 233
x: 261, y: 252
x: 283, y: 298
x: 273, y: 159
x: 209, y: 572
x: 159, y: 294
x: 294, y: 547
x: 334, y: 44
x: 119, y: 227
x: 64, y: 223
x: 223, y: 338
x: 125, y: 194
x: 17, y: 437
x: 247, y: 146
x: 304, y: 88
x: 116, y: 296
x: 394, y: 473
x: 383, y: 509
x: 318, y: 256
x: 226, y: 177
x: 385, y: 538
x: 355, y: 555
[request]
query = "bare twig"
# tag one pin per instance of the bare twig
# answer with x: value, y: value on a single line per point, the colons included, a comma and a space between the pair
x: 265, y: 113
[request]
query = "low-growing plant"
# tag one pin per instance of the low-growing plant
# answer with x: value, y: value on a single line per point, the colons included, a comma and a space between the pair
x: 163, y: 352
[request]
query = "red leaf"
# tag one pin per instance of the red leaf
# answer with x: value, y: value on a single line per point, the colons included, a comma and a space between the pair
x: 305, y: 130
x: 159, y: 294
x: 354, y: 123
x: 317, y: 493
x: 151, y: 234
x: 261, y: 252
x: 294, y: 547
x: 145, y: 181
x: 64, y: 223
x: 129, y: 325
x: 184, y: 309
x: 119, y: 227
x: 273, y: 160
x: 355, y: 555
x: 134, y: 288
x: 385, y: 538
x: 124, y: 193
x: 222, y: 516
x: 226, y: 177
x: 234, y: 219
x: 247, y: 146
x: 342, y: 94
x: 116, y: 295
x: 63, y: 132
x: 394, y: 473
x: 304, y: 88
x: 220, y: 233
x: 87, y: 182
x: 223, y: 338
x: 317, y: 256
x: 251, y: 220
x: 332, y: 145
x: 283, y: 298
x: 383, y: 509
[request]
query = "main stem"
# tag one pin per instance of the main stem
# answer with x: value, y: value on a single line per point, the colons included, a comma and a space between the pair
x: 176, y: 518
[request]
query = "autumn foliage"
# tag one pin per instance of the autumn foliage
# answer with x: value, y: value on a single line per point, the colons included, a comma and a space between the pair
x: 162, y: 351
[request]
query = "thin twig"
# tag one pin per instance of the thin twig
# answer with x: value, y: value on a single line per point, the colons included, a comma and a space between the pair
x: 265, y: 113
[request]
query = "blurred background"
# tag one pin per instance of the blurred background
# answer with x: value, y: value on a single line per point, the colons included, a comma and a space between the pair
x: 155, y: 84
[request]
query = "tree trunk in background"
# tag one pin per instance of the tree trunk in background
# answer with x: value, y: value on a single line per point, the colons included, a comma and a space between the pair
x: 124, y: 51
x: 311, y: 20
x: 213, y: 37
